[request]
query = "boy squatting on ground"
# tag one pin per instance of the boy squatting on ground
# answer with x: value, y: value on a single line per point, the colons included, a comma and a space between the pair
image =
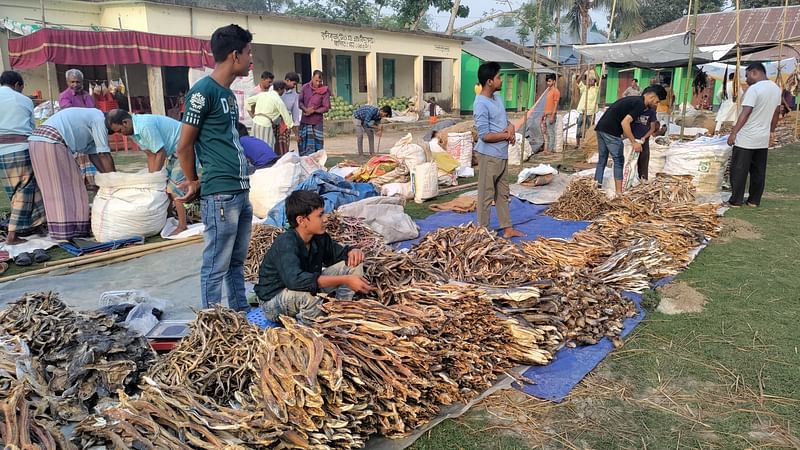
x: 292, y: 273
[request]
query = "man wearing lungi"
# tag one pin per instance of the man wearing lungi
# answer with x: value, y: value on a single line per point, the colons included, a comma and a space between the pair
x: 315, y: 100
x: 158, y: 137
x: 16, y: 171
x: 53, y: 147
x: 268, y: 111
x: 291, y: 98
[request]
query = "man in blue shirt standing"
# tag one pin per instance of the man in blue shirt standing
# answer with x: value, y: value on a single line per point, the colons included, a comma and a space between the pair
x: 495, y: 132
x: 367, y: 119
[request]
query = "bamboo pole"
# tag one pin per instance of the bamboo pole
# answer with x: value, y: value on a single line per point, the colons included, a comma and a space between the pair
x: 122, y: 258
x: 103, y: 259
x: 532, y: 84
x: 47, y: 67
x: 737, y: 85
x: 692, y: 38
x: 603, y: 65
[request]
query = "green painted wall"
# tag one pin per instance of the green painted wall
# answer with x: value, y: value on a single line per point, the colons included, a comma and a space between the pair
x: 678, y: 84
x: 469, y: 76
x: 510, y: 74
x: 612, y: 85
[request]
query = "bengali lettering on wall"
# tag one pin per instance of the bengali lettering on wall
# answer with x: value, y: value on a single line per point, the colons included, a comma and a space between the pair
x: 347, y: 40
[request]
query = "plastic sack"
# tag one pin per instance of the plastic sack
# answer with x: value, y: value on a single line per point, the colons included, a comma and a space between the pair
x: 519, y: 145
x: 659, y: 148
x: 425, y: 181
x: 445, y: 162
x: 403, y: 190
x: 269, y: 186
x: 530, y: 172
x: 384, y: 215
x: 144, y: 315
x: 630, y: 170
x: 407, y: 152
x: 704, y: 159
x: 129, y: 204
x: 459, y: 145
x: 312, y: 163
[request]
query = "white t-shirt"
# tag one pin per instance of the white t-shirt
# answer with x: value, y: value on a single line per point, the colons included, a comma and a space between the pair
x: 764, y: 97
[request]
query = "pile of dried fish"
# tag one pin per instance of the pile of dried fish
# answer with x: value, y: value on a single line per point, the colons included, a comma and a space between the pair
x: 664, y: 189
x: 468, y: 340
x: 584, y: 249
x: 631, y: 268
x: 24, y: 407
x: 173, y: 417
x: 352, y: 231
x: 88, y: 357
x: 394, y: 366
x: 215, y: 359
x: 785, y: 131
x: 261, y: 238
x: 575, y: 309
x: 582, y: 200
x: 290, y: 382
x: 529, y: 343
x: 389, y: 270
x: 474, y: 254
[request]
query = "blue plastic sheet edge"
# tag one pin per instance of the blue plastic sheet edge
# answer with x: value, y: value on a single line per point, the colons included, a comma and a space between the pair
x: 101, y: 246
x: 570, y: 365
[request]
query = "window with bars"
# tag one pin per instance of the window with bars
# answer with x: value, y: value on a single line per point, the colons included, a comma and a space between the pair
x: 432, y: 76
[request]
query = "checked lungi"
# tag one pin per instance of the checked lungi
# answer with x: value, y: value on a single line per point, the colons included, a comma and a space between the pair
x: 66, y: 202
x: 27, y: 207
x: 311, y: 138
x: 284, y: 136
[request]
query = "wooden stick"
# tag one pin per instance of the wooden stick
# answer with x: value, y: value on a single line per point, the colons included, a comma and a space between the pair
x: 122, y: 258
x: 114, y: 253
x: 109, y: 258
x: 450, y: 190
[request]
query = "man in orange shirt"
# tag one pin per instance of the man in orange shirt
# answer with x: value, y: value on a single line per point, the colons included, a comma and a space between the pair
x: 550, y: 111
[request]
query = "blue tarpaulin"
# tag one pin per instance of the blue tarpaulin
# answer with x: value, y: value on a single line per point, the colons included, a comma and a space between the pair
x: 526, y: 217
x: 335, y: 191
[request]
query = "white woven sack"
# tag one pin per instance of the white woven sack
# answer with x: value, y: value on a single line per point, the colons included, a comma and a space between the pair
x: 129, y: 204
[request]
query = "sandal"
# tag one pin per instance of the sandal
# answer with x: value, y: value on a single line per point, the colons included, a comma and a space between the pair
x: 4, y: 256
x: 24, y: 259
x: 3, y: 267
x: 40, y: 256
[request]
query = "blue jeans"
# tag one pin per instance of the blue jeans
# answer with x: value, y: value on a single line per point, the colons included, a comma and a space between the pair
x: 606, y: 144
x: 227, y: 218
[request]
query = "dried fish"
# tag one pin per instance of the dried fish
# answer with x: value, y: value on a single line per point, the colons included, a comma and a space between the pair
x: 632, y: 267
x: 474, y: 254
x: 354, y: 232
x: 582, y: 200
x: 25, y: 415
x: 87, y: 356
x: 261, y: 238
x: 389, y: 270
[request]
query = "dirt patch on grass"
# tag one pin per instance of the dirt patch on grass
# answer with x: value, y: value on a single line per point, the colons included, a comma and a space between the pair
x: 780, y: 196
x: 733, y: 228
x: 680, y: 298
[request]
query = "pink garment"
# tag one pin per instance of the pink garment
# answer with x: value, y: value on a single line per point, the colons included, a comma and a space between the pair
x: 319, y: 99
x: 68, y: 99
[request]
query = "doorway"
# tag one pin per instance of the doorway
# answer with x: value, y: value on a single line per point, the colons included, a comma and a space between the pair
x: 388, y: 78
x: 344, y: 87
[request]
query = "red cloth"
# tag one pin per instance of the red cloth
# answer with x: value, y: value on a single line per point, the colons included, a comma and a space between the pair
x: 107, y: 47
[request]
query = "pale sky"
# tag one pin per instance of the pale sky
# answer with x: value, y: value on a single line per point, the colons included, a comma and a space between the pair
x: 478, y: 7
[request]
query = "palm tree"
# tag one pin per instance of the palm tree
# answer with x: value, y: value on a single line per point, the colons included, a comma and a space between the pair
x: 627, y: 20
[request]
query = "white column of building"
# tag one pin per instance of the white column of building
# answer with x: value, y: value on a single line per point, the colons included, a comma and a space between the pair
x: 316, y: 59
x: 155, y: 85
x: 418, y: 82
x: 456, y: 109
x: 372, y: 78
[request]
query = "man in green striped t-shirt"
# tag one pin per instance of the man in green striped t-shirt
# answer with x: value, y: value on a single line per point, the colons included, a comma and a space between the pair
x: 209, y: 128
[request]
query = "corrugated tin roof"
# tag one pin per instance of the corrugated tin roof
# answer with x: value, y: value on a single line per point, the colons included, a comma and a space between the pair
x: 487, y: 51
x: 568, y: 37
x: 758, y: 25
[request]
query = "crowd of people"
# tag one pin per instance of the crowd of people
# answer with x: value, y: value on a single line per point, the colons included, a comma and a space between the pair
x: 209, y: 155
